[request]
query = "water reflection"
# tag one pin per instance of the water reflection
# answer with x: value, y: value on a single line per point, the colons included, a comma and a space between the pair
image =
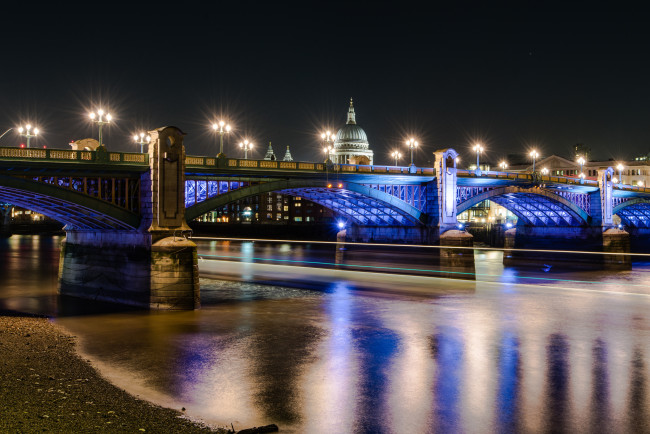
x: 508, y: 389
x: 503, y: 358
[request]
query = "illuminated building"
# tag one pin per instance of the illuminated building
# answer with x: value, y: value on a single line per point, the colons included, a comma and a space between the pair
x: 351, y: 145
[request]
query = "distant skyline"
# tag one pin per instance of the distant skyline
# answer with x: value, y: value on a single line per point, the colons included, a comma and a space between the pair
x: 513, y: 79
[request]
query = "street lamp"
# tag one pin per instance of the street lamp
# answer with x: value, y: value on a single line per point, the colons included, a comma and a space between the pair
x: 620, y: 168
x: 141, y: 140
x: 396, y: 155
x: 412, y: 144
x: 544, y: 171
x: 221, y: 128
x: 100, y: 120
x: 534, y: 154
x: 478, y: 148
x: 582, y: 177
x: 503, y: 165
x: 328, y: 144
x: 27, y: 132
x: 581, y: 162
x: 246, y: 146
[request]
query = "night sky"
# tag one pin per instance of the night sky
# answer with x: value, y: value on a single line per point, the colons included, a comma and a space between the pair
x: 513, y: 79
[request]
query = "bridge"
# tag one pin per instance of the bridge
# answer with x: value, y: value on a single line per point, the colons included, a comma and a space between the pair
x: 125, y: 213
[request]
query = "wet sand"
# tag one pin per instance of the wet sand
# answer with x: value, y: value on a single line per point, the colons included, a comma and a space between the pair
x: 46, y: 386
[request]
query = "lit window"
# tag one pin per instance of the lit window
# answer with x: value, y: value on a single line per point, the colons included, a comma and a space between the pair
x: 286, y: 208
x: 297, y: 204
x: 297, y: 219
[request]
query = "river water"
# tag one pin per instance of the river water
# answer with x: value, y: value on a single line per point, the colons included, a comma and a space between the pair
x: 329, y: 349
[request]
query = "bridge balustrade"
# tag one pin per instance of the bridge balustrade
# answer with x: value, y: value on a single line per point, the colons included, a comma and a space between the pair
x: 46, y: 155
x: 210, y: 162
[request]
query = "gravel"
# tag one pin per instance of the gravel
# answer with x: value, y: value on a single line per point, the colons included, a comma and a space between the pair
x: 46, y: 386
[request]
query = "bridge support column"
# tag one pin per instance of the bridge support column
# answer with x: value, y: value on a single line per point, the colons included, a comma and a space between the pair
x: 455, y: 262
x: 442, y: 209
x: 154, y: 266
x: 5, y: 220
x: 616, y: 241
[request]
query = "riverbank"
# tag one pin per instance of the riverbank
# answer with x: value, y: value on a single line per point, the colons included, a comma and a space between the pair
x: 46, y: 386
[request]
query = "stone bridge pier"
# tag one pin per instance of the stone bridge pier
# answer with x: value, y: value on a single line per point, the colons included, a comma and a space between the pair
x: 153, y: 266
x: 5, y: 220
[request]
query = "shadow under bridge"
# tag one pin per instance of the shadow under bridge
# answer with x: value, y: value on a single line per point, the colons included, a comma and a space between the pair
x: 360, y: 204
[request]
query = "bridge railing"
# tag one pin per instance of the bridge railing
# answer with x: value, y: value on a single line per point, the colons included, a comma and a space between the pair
x: 527, y: 176
x: 67, y: 155
x: 208, y: 162
x: 632, y: 188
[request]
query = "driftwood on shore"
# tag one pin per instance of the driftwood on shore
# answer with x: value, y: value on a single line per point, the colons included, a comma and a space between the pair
x: 259, y: 429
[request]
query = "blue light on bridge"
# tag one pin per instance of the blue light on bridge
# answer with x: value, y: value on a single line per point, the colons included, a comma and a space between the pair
x: 509, y: 225
x: 340, y: 224
x: 461, y: 226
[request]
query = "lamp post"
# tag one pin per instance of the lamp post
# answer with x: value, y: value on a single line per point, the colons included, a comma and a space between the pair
x: 100, y: 120
x: 581, y: 162
x: 328, y: 144
x: 246, y: 146
x: 412, y: 144
x: 396, y: 155
x: 221, y: 128
x: 544, y: 171
x: 620, y: 172
x: 478, y: 148
x: 27, y: 132
x: 534, y: 154
x: 141, y: 140
x: 503, y: 165
x: 328, y: 151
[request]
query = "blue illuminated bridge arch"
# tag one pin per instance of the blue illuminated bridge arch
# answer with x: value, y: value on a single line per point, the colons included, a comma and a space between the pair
x: 359, y: 203
x: 77, y: 210
x: 533, y: 206
x: 634, y: 212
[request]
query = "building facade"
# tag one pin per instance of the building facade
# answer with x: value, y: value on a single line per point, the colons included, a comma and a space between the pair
x: 271, y: 208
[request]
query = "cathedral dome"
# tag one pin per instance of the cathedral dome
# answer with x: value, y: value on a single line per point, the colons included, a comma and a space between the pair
x: 351, y: 133
x: 351, y: 145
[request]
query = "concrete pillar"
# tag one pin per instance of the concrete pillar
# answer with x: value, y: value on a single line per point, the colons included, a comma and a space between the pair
x: 442, y: 211
x: 154, y: 266
x: 5, y: 220
x: 616, y: 241
x: 457, y: 263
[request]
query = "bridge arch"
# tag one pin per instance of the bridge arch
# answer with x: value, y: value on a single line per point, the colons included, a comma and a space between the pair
x: 361, y: 204
x: 77, y: 210
x: 534, y: 206
x: 634, y: 212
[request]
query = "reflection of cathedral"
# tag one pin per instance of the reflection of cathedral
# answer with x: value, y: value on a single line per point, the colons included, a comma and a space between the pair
x: 351, y: 145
